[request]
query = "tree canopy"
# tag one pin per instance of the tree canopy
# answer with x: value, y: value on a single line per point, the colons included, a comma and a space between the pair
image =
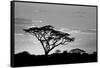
x: 49, y: 37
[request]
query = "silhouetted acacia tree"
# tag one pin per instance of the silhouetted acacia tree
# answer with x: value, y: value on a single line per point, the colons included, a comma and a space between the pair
x: 49, y: 37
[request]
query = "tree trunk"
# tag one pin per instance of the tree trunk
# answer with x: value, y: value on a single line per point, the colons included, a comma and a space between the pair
x: 46, y: 54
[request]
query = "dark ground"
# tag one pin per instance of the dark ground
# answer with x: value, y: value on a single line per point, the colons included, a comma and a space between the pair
x: 25, y: 59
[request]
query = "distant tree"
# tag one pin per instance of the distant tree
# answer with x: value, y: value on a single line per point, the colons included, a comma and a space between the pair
x: 49, y: 37
x: 65, y: 52
x: 57, y: 51
x: 24, y: 53
x: 77, y: 50
x: 94, y: 52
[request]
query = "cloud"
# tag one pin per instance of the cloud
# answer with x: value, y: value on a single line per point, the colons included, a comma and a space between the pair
x: 37, y: 21
x: 32, y: 25
x: 90, y: 31
x: 72, y: 31
x: 75, y: 31
x: 26, y: 21
x: 22, y: 21
x: 78, y: 40
x: 69, y: 30
x: 80, y: 14
x: 82, y: 31
x: 76, y: 43
x: 64, y: 29
x: 93, y: 29
x: 20, y: 34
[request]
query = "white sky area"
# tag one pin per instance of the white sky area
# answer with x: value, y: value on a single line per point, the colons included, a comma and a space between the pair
x: 79, y: 21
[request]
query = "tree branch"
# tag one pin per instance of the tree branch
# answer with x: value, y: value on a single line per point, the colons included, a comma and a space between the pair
x: 54, y: 47
x: 41, y: 42
x: 42, y: 45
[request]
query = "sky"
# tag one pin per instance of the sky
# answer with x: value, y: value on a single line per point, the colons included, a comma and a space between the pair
x: 79, y: 21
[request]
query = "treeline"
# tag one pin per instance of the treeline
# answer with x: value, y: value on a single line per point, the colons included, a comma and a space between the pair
x: 25, y: 59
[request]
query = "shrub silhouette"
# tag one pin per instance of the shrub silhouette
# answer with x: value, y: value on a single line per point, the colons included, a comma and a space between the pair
x: 25, y: 59
x: 49, y: 37
x: 77, y: 50
x: 23, y: 53
x: 57, y: 51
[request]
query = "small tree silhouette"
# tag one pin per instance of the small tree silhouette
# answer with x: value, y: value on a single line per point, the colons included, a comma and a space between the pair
x: 49, y: 37
x: 57, y: 51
